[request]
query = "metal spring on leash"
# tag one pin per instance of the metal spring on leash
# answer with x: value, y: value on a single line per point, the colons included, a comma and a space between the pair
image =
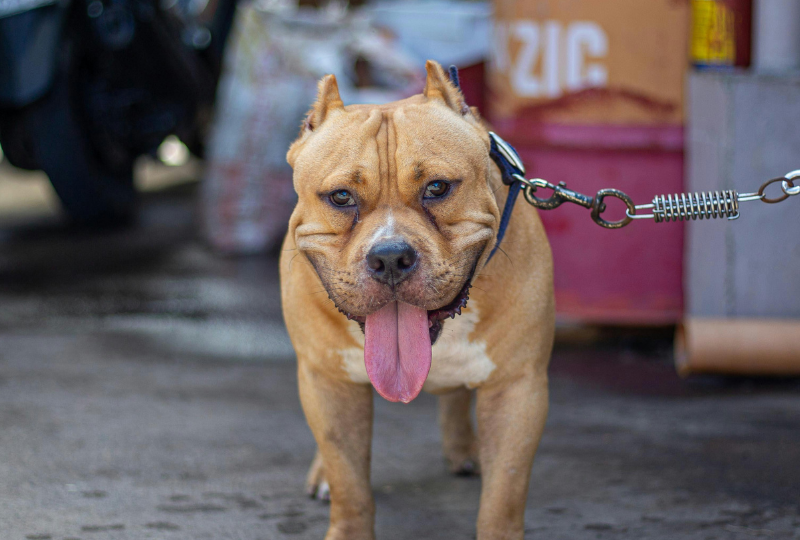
x: 703, y: 205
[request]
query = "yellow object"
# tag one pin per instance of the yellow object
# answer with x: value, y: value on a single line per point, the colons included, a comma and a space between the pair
x: 713, y: 33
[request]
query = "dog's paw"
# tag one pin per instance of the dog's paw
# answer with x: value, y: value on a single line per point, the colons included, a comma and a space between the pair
x: 464, y: 465
x: 322, y: 492
x: 316, y: 485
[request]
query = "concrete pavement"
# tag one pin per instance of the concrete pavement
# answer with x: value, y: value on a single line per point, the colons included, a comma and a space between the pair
x: 147, y: 390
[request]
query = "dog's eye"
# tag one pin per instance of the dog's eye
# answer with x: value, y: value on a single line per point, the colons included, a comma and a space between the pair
x: 342, y: 198
x: 437, y: 188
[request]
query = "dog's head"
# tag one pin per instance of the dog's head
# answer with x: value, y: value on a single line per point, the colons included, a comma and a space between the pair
x: 395, y: 212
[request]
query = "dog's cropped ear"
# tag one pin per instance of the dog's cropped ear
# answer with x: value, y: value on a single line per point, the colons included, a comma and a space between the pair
x: 328, y: 101
x: 438, y: 86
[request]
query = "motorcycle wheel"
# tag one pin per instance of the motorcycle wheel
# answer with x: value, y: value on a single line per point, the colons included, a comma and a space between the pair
x: 56, y: 141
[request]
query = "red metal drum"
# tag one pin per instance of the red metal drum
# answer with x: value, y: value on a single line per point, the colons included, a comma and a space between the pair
x: 591, y: 94
x: 631, y: 275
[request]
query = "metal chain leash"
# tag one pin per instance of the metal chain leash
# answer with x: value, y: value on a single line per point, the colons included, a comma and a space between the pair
x: 673, y: 207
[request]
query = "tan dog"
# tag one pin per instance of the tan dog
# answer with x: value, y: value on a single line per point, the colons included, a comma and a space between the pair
x: 398, y: 210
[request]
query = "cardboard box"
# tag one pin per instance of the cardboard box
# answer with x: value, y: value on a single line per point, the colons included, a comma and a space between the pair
x: 589, y: 61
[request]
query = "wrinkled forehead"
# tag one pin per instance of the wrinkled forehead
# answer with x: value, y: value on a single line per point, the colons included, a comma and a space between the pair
x: 425, y: 139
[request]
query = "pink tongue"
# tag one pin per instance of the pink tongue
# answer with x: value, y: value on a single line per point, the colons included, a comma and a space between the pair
x: 397, y: 350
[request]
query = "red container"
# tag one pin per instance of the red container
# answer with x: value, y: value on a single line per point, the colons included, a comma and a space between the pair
x: 473, y: 84
x: 623, y: 276
x: 591, y: 94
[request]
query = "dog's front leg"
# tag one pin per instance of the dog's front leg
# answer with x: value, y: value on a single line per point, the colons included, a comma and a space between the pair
x: 511, y: 417
x: 340, y: 416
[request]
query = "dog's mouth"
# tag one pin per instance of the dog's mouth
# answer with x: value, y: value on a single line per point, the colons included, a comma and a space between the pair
x: 436, y: 317
x: 397, y: 344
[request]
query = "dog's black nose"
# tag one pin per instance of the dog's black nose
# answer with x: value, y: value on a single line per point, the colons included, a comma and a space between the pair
x: 391, y: 262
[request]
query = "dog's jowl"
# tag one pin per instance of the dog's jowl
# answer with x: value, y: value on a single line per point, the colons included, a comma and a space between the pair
x: 398, y: 210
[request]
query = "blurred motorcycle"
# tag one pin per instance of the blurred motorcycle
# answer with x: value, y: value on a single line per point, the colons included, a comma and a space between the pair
x: 87, y: 86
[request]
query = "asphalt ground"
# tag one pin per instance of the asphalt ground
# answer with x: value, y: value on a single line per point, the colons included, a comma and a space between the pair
x: 148, y: 390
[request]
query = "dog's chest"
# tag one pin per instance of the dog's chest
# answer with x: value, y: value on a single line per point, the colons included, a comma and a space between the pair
x: 457, y: 360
